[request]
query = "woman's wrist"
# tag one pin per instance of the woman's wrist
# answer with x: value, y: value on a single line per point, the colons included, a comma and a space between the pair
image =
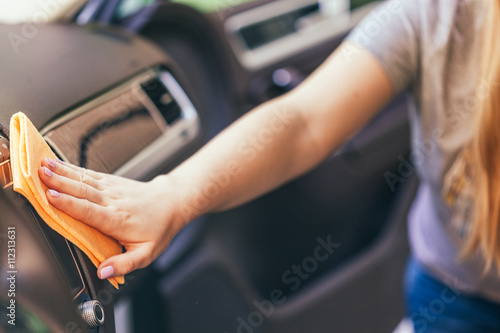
x: 176, y: 198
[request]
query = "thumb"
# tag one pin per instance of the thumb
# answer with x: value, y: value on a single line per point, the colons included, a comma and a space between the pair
x: 124, y: 263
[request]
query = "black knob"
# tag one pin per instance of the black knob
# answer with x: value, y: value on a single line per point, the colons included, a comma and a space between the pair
x: 92, y: 313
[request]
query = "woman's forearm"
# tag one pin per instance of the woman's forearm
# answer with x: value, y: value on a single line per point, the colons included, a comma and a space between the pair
x: 283, y: 138
x: 265, y: 148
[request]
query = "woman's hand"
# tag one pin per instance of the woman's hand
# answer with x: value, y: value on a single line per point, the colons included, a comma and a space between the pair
x: 140, y: 216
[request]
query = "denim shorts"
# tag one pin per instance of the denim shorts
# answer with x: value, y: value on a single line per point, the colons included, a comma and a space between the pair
x: 435, y: 307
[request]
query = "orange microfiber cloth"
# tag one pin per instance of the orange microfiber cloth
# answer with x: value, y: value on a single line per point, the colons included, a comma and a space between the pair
x: 27, y: 149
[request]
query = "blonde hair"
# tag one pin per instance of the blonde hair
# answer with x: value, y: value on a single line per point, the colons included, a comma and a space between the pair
x: 485, y: 149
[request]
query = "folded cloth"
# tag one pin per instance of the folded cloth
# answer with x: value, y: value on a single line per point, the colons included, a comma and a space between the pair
x: 27, y: 149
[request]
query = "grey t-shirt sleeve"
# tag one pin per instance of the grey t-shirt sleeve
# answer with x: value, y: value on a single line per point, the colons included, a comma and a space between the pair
x: 391, y: 34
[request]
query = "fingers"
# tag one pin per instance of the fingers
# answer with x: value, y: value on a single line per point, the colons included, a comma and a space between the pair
x: 125, y: 263
x: 81, y: 209
x: 78, y: 174
x: 71, y: 187
x: 91, y: 173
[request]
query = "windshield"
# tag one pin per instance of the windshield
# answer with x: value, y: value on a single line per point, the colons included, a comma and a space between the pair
x: 36, y: 11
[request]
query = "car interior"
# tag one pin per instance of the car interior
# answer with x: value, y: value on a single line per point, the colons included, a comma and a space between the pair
x: 135, y: 87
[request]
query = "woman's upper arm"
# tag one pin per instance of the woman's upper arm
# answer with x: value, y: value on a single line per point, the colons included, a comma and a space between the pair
x: 342, y: 95
x: 379, y: 59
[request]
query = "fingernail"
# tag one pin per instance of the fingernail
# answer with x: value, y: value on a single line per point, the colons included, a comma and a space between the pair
x: 55, y: 194
x: 107, y: 272
x: 58, y: 160
x: 48, y: 172
x: 52, y: 164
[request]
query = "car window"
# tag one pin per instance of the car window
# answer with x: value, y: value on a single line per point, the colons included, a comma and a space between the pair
x: 210, y: 6
x: 129, y: 7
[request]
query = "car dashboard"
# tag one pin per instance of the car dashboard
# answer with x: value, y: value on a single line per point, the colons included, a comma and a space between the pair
x: 117, y: 109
